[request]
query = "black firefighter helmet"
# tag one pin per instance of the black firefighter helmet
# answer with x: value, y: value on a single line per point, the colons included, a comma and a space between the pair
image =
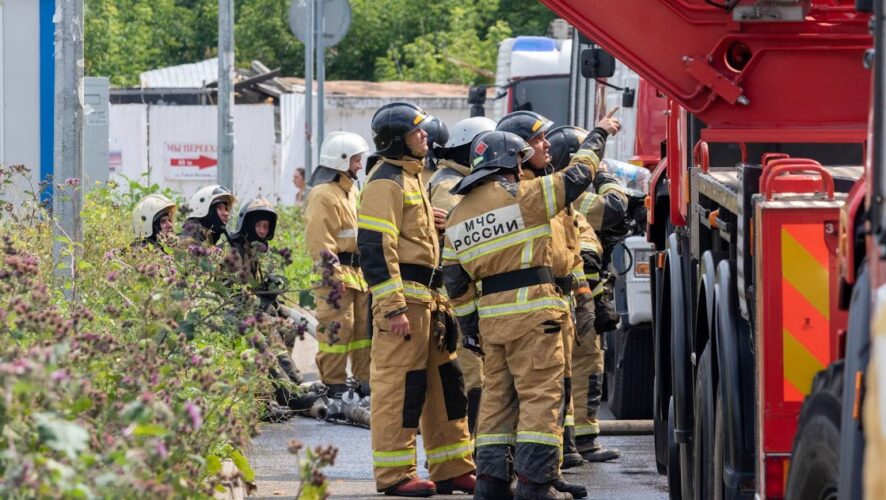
x: 565, y: 142
x: 491, y: 153
x: 390, y: 126
x: 526, y: 124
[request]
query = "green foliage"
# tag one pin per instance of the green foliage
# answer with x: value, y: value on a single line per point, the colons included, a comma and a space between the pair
x: 145, y: 384
x: 451, y: 41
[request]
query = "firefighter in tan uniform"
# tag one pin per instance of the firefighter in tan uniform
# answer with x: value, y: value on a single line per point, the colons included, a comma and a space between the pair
x: 415, y: 383
x: 331, y: 216
x: 569, y: 271
x: 587, y: 367
x: 452, y: 167
x: 500, y: 237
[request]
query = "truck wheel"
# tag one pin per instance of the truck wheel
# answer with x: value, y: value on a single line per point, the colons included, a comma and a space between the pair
x: 674, y: 489
x: 630, y: 393
x: 660, y: 431
x: 719, y: 447
x: 703, y: 433
x: 815, y: 459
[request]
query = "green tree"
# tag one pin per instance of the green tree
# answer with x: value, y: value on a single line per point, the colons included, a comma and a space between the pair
x: 463, y: 51
x: 445, y: 41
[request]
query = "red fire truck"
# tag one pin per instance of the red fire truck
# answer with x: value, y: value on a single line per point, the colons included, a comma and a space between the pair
x: 755, y: 201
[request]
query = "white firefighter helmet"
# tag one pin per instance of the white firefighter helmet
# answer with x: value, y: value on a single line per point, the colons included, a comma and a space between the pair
x: 201, y: 201
x: 466, y: 130
x: 339, y: 147
x: 149, y: 210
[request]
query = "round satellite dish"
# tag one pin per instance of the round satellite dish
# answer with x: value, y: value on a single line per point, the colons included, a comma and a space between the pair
x: 334, y: 25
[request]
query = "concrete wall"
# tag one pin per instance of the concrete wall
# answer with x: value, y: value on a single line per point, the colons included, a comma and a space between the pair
x: 20, y: 91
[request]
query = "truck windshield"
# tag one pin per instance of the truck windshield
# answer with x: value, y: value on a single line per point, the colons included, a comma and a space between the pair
x: 546, y: 95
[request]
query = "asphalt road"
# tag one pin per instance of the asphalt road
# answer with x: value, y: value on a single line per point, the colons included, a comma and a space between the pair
x: 631, y: 477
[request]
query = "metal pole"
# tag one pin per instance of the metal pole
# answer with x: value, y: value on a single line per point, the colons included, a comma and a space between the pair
x: 67, y: 197
x: 225, y: 153
x: 309, y: 84
x: 321, y: 70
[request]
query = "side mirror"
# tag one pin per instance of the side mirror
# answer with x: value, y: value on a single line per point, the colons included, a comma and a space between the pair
x: 597, y: 63
x: 477, y: 100
x: 627, y: 98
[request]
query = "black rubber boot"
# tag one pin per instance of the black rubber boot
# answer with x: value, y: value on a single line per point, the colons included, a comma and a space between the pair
x: 590, y: 449
x: 336, y: 390
x: 473, y: 409
x: 527, y: 490
x: 493, y: 488
x: 576, y: 490
x: 571, y: 456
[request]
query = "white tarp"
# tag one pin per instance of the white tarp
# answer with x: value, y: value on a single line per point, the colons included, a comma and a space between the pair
x: 183, y: 149
x: 128, y: 143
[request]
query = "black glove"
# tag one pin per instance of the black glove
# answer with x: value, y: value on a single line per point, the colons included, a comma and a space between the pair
x: 603, y: 178
x: 595, y: 141
x: 584, y: 315
x: 471, y: 342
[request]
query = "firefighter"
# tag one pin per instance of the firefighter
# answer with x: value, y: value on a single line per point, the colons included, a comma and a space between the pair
x: 502, y: 236
x: 414, y: 382
x: 452, y: 166
x: 331, y: 216
x: 209, y: 211
x: 568, y: 269
x: 588, y: 367
x: 438, y: 136
x: 256, y: 226
x: 152, y: 217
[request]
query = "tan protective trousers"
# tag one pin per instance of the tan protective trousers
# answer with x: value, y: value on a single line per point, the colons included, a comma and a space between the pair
x: 471, y: 367
x: 415, y: 385
x: 352, y: 338
x: 521, y: 405
x: 568, y: 332
x: 587, y: 359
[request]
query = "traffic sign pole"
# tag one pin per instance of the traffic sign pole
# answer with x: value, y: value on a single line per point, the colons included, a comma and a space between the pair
x: 226, y: 93
x: 309, y: 84
x: 321, y: 71
x: 318, y: 24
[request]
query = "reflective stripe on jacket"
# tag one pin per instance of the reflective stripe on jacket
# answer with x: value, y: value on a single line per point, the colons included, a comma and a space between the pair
x: 331, y: 225
x: 395, y: 226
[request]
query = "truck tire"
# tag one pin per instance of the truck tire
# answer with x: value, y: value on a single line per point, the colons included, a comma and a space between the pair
x: 815, y: 458
x: 703, y: 432
x: 719, y: 447
x: 674, y: 488
x: 631, y: 373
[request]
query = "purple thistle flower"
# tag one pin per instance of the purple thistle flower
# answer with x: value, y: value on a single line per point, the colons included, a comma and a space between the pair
x: 195, y: 415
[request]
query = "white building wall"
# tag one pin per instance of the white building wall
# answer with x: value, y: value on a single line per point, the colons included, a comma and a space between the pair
x: 20, y: 92
x: 351, y: 114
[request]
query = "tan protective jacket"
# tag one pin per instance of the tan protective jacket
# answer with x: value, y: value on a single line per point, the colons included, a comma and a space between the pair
x: 396, y: 226
x: 565, y: 235
x: 448, y: 174
x: 500, y: 227
x: 604, y: 205
x: 331, y: 224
